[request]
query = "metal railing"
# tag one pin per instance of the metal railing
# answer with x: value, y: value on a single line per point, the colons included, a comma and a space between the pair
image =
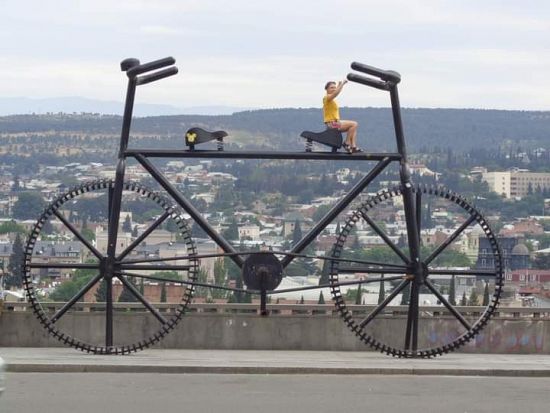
x: 289, y: 309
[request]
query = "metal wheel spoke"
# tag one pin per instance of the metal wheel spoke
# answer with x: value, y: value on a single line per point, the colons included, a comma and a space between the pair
x: 386, y: 239
x: 64, y: 265
x: 449, y: 240
x: 155, y: 267
x: 418, y: 199
x: 184, y: 282
x: 384, y: 303
x: 446, y: 303
x: 479, y: 273
x: 78, y: 234
x: 371, y: 270
x: 412, y: 319
x: 354, y: 282
x: 77, y: 297
x: 144, y: 235
x: 142, y: 299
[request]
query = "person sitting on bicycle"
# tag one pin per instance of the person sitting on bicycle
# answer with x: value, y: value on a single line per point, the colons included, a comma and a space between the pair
x: 331, y: 116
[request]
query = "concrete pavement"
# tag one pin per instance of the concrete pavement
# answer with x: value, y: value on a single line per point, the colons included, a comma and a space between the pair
x: 66, y: 360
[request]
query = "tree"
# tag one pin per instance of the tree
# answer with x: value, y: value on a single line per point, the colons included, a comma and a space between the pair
x: 202, y: 277
x: 474, y: 298
x: 232, y: 232
x: 135, y: 231
x: 382, y: 290
x: 321, y: 298
x: 101, y: 292
x: 486, y: 295
x: 302, y: 299
x: 219, y: 279
x: 297, y: 234
x: 464, y: 300
x: 69, y: 288
x: 163, y: 293
x: 127, y: 225
x: 542, y: 261
x: 29, y: 205
x: 126, y: 296
x: 452, y: 291
x: 12, y: 226
x: 15, y: 266
x: 358, y: 295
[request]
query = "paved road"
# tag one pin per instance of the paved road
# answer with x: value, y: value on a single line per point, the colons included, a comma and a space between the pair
x: 203, y: 393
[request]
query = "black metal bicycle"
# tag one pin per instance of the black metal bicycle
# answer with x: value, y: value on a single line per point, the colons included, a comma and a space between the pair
x: 415, y: 277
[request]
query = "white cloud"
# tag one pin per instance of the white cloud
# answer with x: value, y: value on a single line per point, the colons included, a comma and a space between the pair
x: 268, y: 54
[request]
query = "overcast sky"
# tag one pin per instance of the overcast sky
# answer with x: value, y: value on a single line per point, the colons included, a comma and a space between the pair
x: 256, y: 53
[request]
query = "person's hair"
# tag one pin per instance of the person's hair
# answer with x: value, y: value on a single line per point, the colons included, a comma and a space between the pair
x: 329, y: 83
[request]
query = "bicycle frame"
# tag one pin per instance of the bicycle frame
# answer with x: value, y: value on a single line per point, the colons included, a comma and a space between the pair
x: 388, y: 82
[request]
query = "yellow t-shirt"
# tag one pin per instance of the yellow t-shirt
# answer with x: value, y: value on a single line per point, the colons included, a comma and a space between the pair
x: 330, y: 110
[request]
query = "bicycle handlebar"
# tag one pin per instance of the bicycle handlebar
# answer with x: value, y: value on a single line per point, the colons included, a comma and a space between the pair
x: 147, y: 67
x: 386, y: 75
x: 368, y: 82
x: 161, y: 74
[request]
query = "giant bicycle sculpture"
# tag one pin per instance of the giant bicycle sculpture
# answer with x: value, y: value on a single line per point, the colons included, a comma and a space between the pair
x: 120, y: 260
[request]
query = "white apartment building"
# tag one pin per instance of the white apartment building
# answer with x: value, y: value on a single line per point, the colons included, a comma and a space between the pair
x: 516, y: 182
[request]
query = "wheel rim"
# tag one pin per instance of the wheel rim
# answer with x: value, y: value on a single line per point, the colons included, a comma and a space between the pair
x: 56, y: 322
x: 363, y: 326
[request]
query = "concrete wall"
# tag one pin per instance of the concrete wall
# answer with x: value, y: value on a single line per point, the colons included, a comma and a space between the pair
x: 296, y: 332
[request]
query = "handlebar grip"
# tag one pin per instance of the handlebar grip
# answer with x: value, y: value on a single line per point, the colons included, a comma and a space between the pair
x: 147, y: 67
x: 353, y: 77
x: 386, y: 75
x: 161, y: 74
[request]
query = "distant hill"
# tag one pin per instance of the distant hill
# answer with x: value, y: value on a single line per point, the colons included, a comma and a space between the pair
x: 458, y: 129
x: 76, y: 104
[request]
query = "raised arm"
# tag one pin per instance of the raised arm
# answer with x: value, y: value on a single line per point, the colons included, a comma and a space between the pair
x: 331, y: 94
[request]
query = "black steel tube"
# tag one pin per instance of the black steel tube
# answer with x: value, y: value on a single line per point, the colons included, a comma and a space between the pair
x: 386, y: 239
x: 77, y: 297
x: 194, y: 283
x: 479, y: 273
x: 214, y: 154
x: 142, y: 299
x: 161, y: 74
x: 370, y: 270
x: 154, y: 65
x: 353, y: 77
x: 144, y: 235
x: 64, y: 265
x: 108, y: 311
x: 190, y: 209
x: 384, y: 303
x: 336, y: 209
x: 387, y: 75
x: 126, y: 266
x: 418, y: 209
x: 78, y: 234
x: 338, y: 284
x: 127, y: 118
x: 451, y: 238
x: 453, y: 310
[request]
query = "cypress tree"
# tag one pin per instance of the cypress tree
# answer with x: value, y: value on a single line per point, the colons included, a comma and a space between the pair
x: 297, y: 234
x: 321, y: 298
x: 486, y: 294
x: 163, y: 293
x: 127, y: 225
x: 359, y: 294
x: 381, y: 291
x: 452, y: 291
x: 473, y: 300
x: 101, y: 292
x: 126, y: 296
x: 15, y: 266
x: 464, y: 301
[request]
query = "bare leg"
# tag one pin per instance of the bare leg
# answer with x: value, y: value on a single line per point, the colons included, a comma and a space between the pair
x: 350, y: 127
